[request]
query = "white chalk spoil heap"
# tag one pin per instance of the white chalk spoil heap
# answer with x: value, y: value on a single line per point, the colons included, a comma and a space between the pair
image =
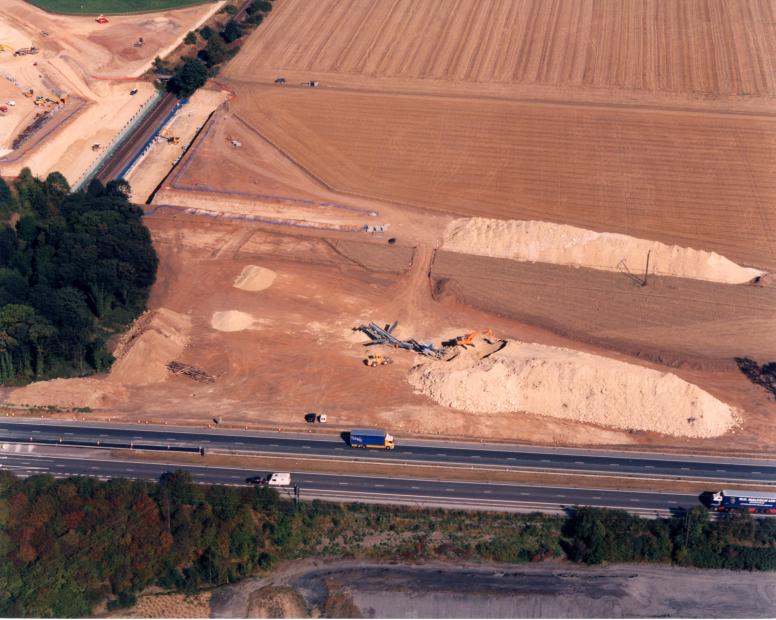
x: 568, y: 384
x: 559, y: 244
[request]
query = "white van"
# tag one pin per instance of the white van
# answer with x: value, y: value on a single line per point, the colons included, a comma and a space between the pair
x: 279, y: 480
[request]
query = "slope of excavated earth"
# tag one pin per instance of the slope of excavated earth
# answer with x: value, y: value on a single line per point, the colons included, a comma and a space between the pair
x: 577, y: 247
x: 670, y: 319
x: 572, y: 385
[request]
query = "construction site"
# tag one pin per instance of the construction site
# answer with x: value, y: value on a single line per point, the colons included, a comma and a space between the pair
x: 401, y: 226
x: 72, y: 86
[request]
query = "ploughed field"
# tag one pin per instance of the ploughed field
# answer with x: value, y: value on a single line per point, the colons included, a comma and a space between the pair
x: 725, y: 47
x: 704, y: 181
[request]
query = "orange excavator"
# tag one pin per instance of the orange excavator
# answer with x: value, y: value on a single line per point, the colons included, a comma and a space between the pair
x: 467, y: 340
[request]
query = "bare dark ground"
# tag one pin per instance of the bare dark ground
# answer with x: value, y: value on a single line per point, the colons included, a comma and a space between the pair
x: 545, y: 590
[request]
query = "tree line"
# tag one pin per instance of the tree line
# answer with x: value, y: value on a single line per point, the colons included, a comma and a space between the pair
x: 68, y: 545
x: 193, y: 71
x: 75, y: 268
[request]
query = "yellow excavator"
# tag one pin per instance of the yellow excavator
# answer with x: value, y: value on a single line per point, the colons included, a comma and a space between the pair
x: 375, y: 359
x: 467, y: 340
x: 6, y: 48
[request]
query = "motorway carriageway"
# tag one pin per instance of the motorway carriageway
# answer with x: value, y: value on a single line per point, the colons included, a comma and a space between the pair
x: 426, y: 452
x: 371, y: 489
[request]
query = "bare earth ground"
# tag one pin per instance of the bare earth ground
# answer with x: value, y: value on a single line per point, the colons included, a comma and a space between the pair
x: 543, y: 590
x: 96, y: 65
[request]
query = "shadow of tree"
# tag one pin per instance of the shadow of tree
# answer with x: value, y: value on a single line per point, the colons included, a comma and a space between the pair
x: 764, y: 375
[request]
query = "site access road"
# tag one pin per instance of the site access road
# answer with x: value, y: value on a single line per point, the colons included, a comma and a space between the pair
x: 427, y: 452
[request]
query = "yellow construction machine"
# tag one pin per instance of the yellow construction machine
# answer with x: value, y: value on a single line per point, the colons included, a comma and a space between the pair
x: 374, y: 360
x: 468, y: 339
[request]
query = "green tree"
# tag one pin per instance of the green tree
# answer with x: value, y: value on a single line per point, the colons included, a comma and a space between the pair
x: 190, y: 38
x: 188, y: 77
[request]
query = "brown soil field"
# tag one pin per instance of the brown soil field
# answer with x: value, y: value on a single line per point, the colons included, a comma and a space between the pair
x: 697, y: 180
x: 701, y: 48
x: 671, y: 320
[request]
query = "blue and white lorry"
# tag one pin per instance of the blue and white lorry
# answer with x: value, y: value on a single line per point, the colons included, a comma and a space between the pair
x: 747, y: 501
x: 371, y: 438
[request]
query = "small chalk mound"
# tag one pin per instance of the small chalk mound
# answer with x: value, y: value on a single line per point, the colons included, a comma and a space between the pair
x: 232, y: 321
x: 572, y: 385
x: 254, y: 278
x: 559, y: 244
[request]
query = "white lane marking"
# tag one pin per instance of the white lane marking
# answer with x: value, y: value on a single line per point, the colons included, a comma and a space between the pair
x: 58, y: 465
x: 343, y: 484
x: 614, y: 464
x: 758, y: 472
x: 101, y: 435
x: 511, y: 458
x: 649, y: 467
x: 524, y: 493
x: 560, y: 496
x: 450, y: 490
x: 239, y: 443
x: 721, y: 470
x: 273, y: 445
x: 200, y: 475
x: 379, y: 486
x: 305, y: 447
x: 35, y: 431
x: 672, y: 502
x: 596, y: 497
x: 68, y: 433
x: 415, y: 488
x: 685, y: 469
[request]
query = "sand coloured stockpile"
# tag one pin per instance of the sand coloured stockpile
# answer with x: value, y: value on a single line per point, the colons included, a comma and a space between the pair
x: 94, y: 393
x: 545, y: 242
x: 568, y: 384
x: 232, y: 321
x: 254, y: 278
x: 153, y: 341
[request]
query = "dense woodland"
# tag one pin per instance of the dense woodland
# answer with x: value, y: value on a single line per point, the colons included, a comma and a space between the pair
x: 68, y: 545
x: 75, y: 268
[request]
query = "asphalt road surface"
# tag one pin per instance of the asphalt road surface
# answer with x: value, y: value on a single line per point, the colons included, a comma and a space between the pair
x: 135, y: 141
x: 337, y: 487
x: 415, y: 451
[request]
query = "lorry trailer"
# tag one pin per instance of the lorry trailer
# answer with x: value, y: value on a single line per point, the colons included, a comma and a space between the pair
x: 271, y: 480
x: 748, y: 501
x: 371, y: 438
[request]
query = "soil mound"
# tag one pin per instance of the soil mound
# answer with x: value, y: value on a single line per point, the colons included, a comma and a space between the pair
x: 94, y: 393
x: 232, y: 321
x: 254, y: 278
x: 156, y: 338
x: 560, y: 244
x: 572, y: 385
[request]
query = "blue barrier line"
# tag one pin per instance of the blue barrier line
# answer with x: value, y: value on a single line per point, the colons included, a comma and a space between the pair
x: 142, y: 151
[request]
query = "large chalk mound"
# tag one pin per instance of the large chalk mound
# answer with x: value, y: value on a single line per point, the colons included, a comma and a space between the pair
x: 559, y: 244
x: 568, y: 384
